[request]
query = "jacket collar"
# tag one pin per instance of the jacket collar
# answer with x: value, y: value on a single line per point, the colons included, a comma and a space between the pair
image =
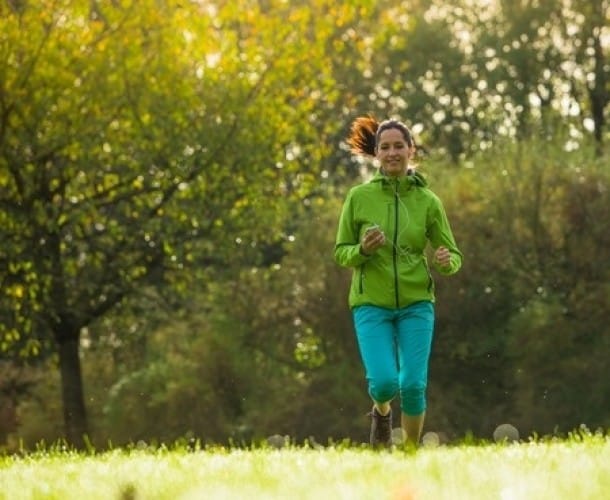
x: 401, y: 184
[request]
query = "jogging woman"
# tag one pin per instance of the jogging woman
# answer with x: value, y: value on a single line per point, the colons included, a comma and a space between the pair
x: 386, y: 224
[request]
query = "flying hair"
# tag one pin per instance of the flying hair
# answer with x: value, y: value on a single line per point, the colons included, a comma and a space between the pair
x: 361, y: 138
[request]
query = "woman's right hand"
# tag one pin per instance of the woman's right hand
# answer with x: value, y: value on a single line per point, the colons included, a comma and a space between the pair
x: 373, y: 239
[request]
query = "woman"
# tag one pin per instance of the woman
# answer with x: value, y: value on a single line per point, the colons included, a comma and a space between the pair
x: 384, y: 229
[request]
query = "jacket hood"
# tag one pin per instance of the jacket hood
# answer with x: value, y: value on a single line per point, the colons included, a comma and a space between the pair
x: 413, y: 178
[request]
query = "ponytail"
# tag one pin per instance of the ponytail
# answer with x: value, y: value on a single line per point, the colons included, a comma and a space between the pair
x: 362, y: 136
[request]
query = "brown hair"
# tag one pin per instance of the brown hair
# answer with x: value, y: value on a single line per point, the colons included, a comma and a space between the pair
x: 365, y: 131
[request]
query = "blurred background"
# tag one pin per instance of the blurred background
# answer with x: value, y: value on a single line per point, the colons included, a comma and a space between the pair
x: 171, y: 176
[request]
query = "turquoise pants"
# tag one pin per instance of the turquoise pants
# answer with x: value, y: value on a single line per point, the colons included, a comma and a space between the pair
x: 395, y: 348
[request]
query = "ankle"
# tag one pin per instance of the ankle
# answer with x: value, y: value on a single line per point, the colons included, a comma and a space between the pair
x: 384, y: 411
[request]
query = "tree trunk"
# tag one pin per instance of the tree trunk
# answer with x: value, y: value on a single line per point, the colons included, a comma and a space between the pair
x: 598, y: 94
x: 75, y: 418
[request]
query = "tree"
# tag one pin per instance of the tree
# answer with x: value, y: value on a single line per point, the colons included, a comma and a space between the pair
x: 139, y: 146
x: 585, y: 65
x: 465, y: 74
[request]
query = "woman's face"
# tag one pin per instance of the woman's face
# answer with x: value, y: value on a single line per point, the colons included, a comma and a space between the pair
x: 393, y: 152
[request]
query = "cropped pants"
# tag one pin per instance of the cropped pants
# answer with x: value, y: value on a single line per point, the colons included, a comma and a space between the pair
x: 395, y: 347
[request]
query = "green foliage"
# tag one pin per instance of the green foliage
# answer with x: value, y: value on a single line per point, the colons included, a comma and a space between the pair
x: 150, y: 150
x: 524, y: 321
x: 270, y: 350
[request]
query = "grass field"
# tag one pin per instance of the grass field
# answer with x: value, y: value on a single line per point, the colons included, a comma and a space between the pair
x: 575, y: 468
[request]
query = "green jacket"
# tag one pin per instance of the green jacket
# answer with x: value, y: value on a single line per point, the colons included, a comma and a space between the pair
x: 410, y: 215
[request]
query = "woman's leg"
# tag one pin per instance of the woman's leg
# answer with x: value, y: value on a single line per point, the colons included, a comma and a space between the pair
x: 415, y: 331
x: 412, y: 425
x: 375, y: 333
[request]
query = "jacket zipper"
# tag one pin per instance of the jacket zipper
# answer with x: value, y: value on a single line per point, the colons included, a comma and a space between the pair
x: 395, y: 238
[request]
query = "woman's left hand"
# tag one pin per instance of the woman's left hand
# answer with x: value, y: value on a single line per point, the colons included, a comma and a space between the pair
x: 442, y: 257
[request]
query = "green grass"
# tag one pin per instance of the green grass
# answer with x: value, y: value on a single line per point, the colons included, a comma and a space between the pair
x: 575, y: 468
